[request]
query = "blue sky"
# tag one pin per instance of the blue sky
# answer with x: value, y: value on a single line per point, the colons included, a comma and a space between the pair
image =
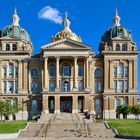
x: 89, y: 18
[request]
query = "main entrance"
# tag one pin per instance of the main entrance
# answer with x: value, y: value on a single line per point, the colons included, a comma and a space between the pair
x: 66, y: 104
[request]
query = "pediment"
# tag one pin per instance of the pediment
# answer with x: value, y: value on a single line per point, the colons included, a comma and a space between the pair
x: 66, y: 44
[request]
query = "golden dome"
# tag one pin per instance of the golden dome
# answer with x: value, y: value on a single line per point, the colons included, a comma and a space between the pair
x: 66, y: 32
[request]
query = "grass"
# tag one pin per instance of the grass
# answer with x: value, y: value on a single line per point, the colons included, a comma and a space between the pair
x: 11, y: 126
x: 126, y: 127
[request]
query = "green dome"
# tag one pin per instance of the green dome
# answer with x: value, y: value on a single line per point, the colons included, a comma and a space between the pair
x: 116, y: 31
x: 15, y: 31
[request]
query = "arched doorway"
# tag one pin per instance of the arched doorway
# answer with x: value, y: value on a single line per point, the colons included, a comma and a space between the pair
x: 65, y: 86
x: 66, y: 104
x: 80, y: 104
x: 51, y: 104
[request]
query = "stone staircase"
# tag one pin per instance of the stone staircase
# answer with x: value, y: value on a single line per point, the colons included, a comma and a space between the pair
x: 66, y: 125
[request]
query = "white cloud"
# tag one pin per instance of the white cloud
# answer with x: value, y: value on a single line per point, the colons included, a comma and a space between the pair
x: 51, y: 14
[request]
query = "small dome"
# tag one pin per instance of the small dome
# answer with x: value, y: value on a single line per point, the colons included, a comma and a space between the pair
x: 15, y: 31
x: 116, y: 31
x: 66, y: 32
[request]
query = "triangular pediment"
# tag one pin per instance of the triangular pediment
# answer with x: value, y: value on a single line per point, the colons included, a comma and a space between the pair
x: 66, y: 44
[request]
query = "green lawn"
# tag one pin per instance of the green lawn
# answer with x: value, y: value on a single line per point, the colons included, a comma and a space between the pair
x: 126, y: 127
x: 11, y: 126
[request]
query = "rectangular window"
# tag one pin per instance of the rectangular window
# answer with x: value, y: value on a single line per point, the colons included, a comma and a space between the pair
x: 4, y: 86
x: 126, y: 71
x: 52, y: 86
x: 4, y: 72
x: 11, y: 70
x: 16, y: 72
x: 80, y: 86
x: 120, y: 85
x: 125, y: 85
x: 11, y: 86
x: 115, y: 85
x: 120, y: 70
x: 80, y: 71
x: 115, y: 71
x: 66, y: 70
x: 16, y: 86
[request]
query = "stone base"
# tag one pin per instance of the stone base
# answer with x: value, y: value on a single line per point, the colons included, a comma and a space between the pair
x: 87, y: 89
x: 74, y: 111
x: 22, y: 115
x: 57, y: 111
x: 75, y: 89
x: 45, y: 111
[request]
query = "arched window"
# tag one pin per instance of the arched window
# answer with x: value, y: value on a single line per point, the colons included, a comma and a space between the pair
x: 125, y: 101
x: 120, y: 69
x: 124, y: 47
x: 97, y: 105
x: 11, y: 70
x: 52, y: 86
x: 34, y: 105
x: 34, y: 86
x: 66, y: 70
x: 7, y: 47
x: 117, y: 47
x: 66, y: 86
x: 14, y: 47
x: 117, y: 102
x: 80, y: 86
x: 98, y: 86
x: 80, y: 70
x: 98, y: 73
x: 52, y: 70
x: 34, y: 73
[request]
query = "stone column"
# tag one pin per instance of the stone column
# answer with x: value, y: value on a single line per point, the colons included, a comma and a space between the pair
x: 57, y: 73
x: 105, y: 103
x: 111, y: 75
x: 75, y: 88
x: 106, y: 76
x: 20, y: 77
x: 45, y: 105
x: 46, y: 75
x: 87, y: 74
x: 135, y: 84
x: 75, y: 104
x: 25, y: 79
x: 130, y: 75
x: 57, y: 104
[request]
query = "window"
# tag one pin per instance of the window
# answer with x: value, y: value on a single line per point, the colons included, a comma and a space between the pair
x: 14, y: 47
x: 66, y: 71
x: 117, y: 47
x: 11, y: 70
x: 34, y: 86
x: 7, y: 47
x: 117, y: 102
x: 126, y: 71
x: 115, y: 71
x: 124, y: 47
x: 11, y: 86
x: 52, y: 70
x: 98, y: 73
x: 115, y: 85
x: 80, y: 86
x: 34, y: 105
x: 16, y: 72
x: 16, y: 86
x: 52, y: 86
x: 120, y: 85
x: 120, y: 69
x: 34, y: 73
x: 4, y: 72
x: 97, y: 105
x: 125, y: 101
x: 65, y: 86
x: 98, y: 86
x: 80, y: 70
x: 125, y: 85
x: 4, y: 86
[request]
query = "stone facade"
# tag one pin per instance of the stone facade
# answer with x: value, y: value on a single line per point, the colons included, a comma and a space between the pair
x: 67, y: 76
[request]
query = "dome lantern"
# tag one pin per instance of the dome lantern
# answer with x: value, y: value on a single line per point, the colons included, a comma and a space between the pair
x: 15, y: 18
x: 66, y: 23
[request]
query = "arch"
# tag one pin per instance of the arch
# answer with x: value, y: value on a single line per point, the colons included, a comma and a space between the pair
x: 65, y: 86
x: 61, y: 67
x: 98, y: 73
x: 124, y: 47
x: 7, y: 47
x: 118, y: 47
x: 52, y: 69
x: 14, y: 46
x: 34, y: 73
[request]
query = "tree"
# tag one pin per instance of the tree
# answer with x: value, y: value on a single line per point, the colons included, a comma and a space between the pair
x: 135, y: 110
x: 119, y: 111
x: 125, y: 110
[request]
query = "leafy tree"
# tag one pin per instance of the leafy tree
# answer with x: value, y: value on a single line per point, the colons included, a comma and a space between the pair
x: 125, y: 110
x: 119, y: 111
x: 135, y: 110
x: 1, y: 108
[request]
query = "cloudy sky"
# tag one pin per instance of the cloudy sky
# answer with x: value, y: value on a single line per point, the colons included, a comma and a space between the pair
x: 89, y: 18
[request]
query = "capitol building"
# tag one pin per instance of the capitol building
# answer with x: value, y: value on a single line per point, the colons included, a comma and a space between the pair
x: 66, y: 75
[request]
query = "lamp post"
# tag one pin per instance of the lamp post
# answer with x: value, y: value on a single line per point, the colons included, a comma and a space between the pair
x: 104, y: 107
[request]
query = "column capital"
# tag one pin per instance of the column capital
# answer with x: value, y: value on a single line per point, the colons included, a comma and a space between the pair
x: 75, y: 57
x: 57, y: 57
x: 45, y: 58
